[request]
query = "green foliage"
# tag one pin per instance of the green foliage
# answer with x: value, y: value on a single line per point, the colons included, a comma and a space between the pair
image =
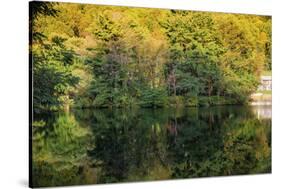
x: 124, y: 56
x: 52, y: 77
x: 192, y: 101
x: 42, y: 8
x: 40, y: 123
x: 195, y: 51
x: 153, y: 98
x: 36, y: 10
x: 176, y: 101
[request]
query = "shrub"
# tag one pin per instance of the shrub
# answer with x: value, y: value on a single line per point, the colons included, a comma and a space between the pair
x: 153, y: 98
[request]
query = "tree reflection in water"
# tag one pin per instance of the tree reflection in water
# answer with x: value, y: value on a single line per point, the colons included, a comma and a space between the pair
x: 106, y: 146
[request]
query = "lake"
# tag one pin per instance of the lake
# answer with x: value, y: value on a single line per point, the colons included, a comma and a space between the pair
x: 123, y: 145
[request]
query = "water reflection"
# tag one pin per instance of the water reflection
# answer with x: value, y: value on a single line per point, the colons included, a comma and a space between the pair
x: 106, y: 146
x: 262, y: 112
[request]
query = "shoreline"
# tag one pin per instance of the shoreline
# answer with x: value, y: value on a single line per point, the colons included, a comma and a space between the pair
x: 259, y: 99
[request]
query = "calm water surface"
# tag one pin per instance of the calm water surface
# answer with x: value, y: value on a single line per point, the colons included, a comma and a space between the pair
x: 106, y: 146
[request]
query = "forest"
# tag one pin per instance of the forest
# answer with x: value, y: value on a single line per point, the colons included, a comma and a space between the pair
x: 92, y: 56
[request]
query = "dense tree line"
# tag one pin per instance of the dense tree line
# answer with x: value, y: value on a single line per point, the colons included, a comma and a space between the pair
x: 105, y: 56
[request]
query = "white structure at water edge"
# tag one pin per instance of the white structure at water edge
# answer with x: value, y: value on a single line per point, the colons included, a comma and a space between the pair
x: 265, y: 83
